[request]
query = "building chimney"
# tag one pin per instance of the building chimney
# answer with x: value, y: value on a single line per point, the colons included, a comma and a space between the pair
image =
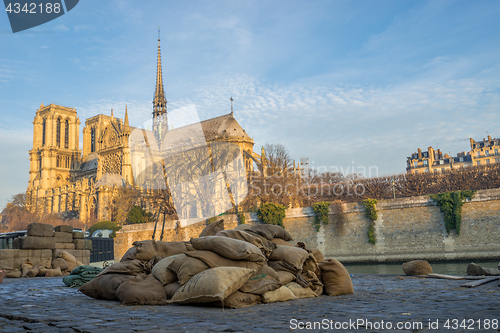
x: 419, y: 153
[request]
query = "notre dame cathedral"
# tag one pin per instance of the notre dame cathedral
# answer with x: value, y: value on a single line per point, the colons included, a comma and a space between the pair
x: 63, y: 177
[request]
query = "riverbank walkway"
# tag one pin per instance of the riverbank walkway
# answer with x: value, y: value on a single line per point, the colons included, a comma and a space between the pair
x: 380, y: 303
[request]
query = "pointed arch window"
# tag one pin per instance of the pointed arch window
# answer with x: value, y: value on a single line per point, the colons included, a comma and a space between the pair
x: 66, y: 134
x: 43, y: 131
x: 58, y: 132
x: 92, y: 139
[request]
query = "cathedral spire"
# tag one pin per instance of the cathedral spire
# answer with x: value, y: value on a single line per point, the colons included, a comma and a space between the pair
x: 125, y: 122
x: 159, y: 101
x: 160, y: 122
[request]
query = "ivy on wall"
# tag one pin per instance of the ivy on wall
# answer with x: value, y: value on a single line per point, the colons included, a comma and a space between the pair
x: 241, y: 218
x: 450, y: 203
x: 321, y: 209
x: 271, y: 213
x: 371, y: 214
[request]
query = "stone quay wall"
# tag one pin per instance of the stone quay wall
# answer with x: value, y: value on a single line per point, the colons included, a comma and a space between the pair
x: 406, y: 229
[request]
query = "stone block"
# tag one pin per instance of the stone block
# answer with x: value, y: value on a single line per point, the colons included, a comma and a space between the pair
x: 40, y: 230
x: 65, y: 246
x: 63, y: 237
x: 64, y: 228
x: 77, y: 235
x: 79, y: 244
x: 7, y: 259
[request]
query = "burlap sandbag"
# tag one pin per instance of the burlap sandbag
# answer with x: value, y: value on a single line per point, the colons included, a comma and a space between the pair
x: 212, y: 229
x: 299, y: 291
x: 78, y: 235
x: 64, y: 228
x: 335, y: 277
x: 129, y: 267
x: 310, y: 280
x: 30, y: 242
x: 167, y: 249
x: 242, y: 227
x: 279, y: 241
x: 264, y: 245
x: 67, y: 256
x: 171, y: 289
x: 294, y: 256
x: 285, y: 277
x: 63, y: 237
x: 282, y: 294
x: 310, y: 264
x: 79, y: 244
x: 25, y: 267
x: 265, y: 279
x: 318, y: 255
x: 7, y: 260
x: 146, y: 250
x: 270, y: 231
x: 33, y: 272
x: 212, y: 285
x: 164, y: 274
x: 59, y: 262
x: 65, y: 246
x: 186, y: 267
x: 130, y: 254
x: 14, y: 274
x: 417, y: 267
x: 71, y: 266
x: 40, y: 230
x: 240, y: 300
x: 142, y: 290
x: 283, y: 266
x: 212, y: 259
x: 49, y: 272
x: 105, y: 286
x: 229, y: 248
x: 476, y: 270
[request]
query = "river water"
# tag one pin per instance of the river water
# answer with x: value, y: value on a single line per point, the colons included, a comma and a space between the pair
x: 440, y: 267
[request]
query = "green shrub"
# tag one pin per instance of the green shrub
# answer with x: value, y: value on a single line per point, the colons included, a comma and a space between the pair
x: 211, y: 220
x: 138, y: 215
x: 270, y: 213
x: 321, y: 209
x: 450, y: 203
x: 371, y: 214
x: 105, y: 225
x: 370, y: 210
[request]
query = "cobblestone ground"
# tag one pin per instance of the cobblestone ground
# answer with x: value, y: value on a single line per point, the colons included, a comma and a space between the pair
x: 46, y: 305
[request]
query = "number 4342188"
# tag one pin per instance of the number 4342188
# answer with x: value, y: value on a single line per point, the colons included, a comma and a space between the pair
x: 33, y: 8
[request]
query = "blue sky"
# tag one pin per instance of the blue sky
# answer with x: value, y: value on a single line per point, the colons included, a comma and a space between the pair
x: 345, y: 83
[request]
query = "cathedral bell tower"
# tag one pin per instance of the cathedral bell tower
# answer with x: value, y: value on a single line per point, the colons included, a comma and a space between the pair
x: 160, y: 121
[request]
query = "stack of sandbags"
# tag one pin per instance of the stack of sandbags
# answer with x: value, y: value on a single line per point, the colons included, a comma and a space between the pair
x: 105, y: 285
x: 11, y: 260
x: 64, y: 237
x: 38, y: 236
x: 72, y: 259
x: 233, y: 268
x: 146, y: 250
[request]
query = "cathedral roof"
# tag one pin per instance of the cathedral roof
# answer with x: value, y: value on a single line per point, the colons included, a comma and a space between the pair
x: 111, y: 179
x: 90, y: 162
